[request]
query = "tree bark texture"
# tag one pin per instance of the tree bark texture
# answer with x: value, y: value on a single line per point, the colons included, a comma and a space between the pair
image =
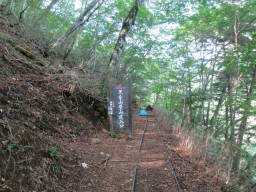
x: 243, y: 124
x: 24, y: 7
x: 220, y: 102
x: 81, y: 20
x: 126, y: 26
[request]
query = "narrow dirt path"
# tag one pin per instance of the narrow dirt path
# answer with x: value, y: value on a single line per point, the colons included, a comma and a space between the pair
x: 153, y: 164
x: 112, y: 161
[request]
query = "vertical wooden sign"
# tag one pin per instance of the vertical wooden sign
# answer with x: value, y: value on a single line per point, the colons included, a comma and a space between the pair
x: 120, y: 107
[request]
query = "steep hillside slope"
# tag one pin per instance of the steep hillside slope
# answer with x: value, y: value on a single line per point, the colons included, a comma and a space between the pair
x: 38, y: 106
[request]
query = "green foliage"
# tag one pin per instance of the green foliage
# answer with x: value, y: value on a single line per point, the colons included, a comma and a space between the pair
x: 116, y: 137
x: 13, y: 142
x: 123, y: 7
x: 53, y: 152
x: 58, y: 170
x: 7, y: 72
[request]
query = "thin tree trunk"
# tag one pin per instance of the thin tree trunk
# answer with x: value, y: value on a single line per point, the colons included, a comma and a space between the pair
x: 203, y: 84
x: 9, y: 7
x: 74, y: 38
x: 243, y: 124
x: 250, y: 163
x: 231, y: 111
x: 227, y: 123
x: 12, y: 5
x: 70, y: 45
x: 209, y: 100
x: 45, y: 13
x: 231, y: 125
x: 25, y: 6
x: 37, y: 5
x: 190, y: 109
x: 216, y: 111
x: 231, y: 85
x: 183, y: 112
x: 100, y: 39
x: 79, y: 22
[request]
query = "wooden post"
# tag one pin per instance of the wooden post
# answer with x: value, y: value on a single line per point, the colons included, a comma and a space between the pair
x: 130, y: 106
x: 110, y: 110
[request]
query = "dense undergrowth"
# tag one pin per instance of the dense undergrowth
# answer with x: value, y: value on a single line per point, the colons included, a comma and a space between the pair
x: 207, y: 150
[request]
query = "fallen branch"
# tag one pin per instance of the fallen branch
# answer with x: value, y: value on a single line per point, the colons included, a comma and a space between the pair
x: 106, y: 162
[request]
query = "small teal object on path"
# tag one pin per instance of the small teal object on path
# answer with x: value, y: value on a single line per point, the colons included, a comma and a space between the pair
x: 143, y: 113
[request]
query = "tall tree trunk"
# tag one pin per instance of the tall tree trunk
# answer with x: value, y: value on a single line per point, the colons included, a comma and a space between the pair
x: 93, y: 49
x: 231, y: 124
x: 209, y: 99
x: 9, y: 7
x: 251, y: 163
x: 243, y: 124
x: 70, y: 45
x: 216, y: 111
x: 12, y: 5
x: 227, y: 122
x: 190, y: 102
x: 81, y: 20
x: 232, y: 80
x: 183, y: 112
x: 204, y: 83
x: 231, y: 111
x: 24, y: 7
x: 126, y: 26
x: 45, y: 13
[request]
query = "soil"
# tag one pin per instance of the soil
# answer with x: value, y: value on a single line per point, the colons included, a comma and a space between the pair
x: 55, y: 138
x: 153, y: 162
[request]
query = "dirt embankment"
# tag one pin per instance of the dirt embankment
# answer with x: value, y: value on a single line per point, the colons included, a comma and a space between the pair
x: 38, y: 106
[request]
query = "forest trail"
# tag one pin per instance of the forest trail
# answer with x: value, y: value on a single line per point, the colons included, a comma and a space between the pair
x: 194, y: 61
x: 111, y: 162
x: 54, y: 141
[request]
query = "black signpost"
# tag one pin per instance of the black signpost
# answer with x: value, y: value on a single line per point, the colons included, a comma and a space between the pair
x: 119, y: 108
